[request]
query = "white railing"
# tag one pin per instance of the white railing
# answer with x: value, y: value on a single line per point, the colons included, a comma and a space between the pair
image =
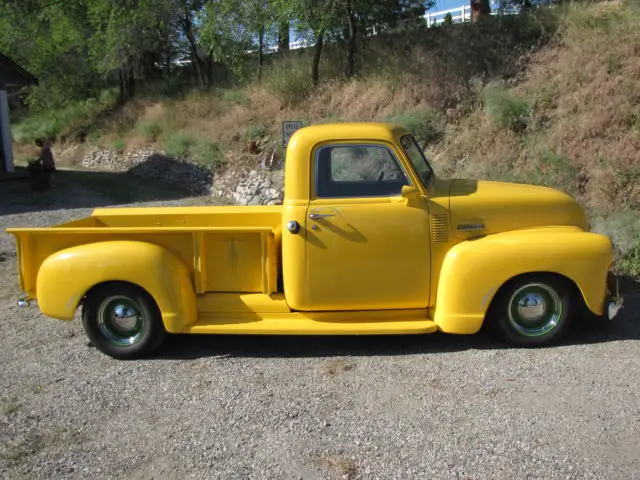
x: 458, y: 15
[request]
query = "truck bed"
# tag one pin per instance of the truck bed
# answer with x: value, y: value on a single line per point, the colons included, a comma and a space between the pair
x: 226, y: 248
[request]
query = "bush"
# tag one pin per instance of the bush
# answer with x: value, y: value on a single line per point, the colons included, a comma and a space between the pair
x: 151, y: 130
x: 426, y: 125
x: 59, y: 122
x: 507, y: 110
x: 118, y: 145
x: 178, y: 144
x: 290, y: 79
x: 235, y: 96
x: 557, y: 171
x: 629, y: 263
x: 200, y: 150
x: 254, y: 130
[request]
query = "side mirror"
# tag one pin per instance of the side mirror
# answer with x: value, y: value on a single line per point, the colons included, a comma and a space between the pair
x: 410, y: 192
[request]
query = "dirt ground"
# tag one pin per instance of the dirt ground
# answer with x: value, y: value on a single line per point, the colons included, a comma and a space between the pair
x: 434, y: 406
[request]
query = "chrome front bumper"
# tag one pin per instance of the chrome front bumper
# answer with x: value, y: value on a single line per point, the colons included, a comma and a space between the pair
x: 613, y: 306
x: 24, y: 301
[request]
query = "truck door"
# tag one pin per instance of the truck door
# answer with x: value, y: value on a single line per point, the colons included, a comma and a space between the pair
x: 366, y: 248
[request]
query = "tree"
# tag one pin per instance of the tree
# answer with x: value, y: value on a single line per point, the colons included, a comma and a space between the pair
x: 318, y: 16
x: 125, y: 32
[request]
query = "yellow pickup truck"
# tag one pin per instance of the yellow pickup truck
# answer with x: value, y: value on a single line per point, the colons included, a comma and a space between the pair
x: 369, y: 240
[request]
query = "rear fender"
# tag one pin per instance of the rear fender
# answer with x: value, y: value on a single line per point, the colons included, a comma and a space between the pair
x: 473, y: 271
x: 65, y: 277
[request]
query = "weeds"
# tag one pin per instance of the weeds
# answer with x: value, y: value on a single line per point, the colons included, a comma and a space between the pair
x: 289, y: 79
x: 254, y: 130
x: 150, y: 130
x: 200, y: 150
x: 236, y: 96
x: 179, y: 144
x: 507, y: 110
x: 556, y: 170
x: 629, y: 263
x: 59, y: 122
x: 426, y: 125
x: 118, y: 145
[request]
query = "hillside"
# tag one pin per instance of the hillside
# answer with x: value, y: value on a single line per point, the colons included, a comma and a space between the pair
x: 549, y: 98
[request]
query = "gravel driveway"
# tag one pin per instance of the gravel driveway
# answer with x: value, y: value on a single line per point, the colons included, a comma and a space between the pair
x: 306, y: 408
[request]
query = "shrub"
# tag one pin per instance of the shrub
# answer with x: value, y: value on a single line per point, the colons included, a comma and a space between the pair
x: 507, y: 110
x: 207, y: 154
x: 200, y: 150
x: 235, y: 96
x: 151, y: 130
x: 118, y: 145
x: 556, y: 170
x: 179, y: 143
x: 426, y: 125
x: 254, y: 130
x: 290, y: 79
x: 629, y: 263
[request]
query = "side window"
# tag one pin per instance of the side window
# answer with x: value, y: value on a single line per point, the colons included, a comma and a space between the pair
x: 358, y: 171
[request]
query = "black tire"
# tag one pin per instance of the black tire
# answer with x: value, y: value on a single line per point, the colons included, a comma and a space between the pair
x: 107, y: 311
x: 533, y: 310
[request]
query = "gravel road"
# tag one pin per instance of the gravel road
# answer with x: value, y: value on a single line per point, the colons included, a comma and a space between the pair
x: 426, y: 407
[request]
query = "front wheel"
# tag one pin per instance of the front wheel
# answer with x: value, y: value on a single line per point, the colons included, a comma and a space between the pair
x: 122, y: 321
x: 534, y: 310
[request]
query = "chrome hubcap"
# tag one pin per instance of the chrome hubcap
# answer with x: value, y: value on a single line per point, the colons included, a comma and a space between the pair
x: 121, y: 321
x: 535, y: 309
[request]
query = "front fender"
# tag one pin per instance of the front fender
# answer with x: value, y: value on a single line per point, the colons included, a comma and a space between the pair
x: 473, y: 271
x: 66, y: 276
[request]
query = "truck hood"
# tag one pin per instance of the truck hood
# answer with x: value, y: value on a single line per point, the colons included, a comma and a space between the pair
x: 484, y: 207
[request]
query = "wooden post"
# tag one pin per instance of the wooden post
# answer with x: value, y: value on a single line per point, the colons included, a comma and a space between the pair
x: 5, y: 130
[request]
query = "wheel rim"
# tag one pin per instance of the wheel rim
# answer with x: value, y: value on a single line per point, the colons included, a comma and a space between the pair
x: 121, y: 321
x: 535, y: 309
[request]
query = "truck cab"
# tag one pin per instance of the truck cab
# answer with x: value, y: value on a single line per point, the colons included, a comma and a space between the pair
x: 369, y: 240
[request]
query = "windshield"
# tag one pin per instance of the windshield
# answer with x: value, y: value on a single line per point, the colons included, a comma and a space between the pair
x: 417, y: 158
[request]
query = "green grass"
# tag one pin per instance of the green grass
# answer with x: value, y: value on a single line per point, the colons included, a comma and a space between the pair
x: 426, y: 125
x: 235, y: 96
x: 254, y: 130
x: 290, y: 79
x: 199, y: 149
x: 629, y: 263
x: 150, y: 130
x: 59, y: 122
x: 506, y: 109
x: 118, y: 145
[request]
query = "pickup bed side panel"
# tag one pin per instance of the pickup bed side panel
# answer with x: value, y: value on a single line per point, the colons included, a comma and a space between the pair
x: 67, y: 275
x: 474, y: 270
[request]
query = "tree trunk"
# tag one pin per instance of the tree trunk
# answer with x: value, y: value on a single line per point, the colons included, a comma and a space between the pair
x: 283, y: 36
x: 127, y: 83
x: 315, y: 76
x: 479, y: 9
x: 260, y: 51
x: 351, y: 42
x: 197, y: 63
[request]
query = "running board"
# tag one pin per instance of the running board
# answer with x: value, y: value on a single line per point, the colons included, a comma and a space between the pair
x: 330, y: 323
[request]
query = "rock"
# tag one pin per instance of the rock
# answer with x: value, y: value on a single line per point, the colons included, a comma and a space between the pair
x: 263, y: 186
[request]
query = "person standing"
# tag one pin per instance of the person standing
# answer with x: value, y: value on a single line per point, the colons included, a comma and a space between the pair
x: 47, y: 160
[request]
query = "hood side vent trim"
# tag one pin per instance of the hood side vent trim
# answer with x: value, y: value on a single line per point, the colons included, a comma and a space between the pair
x: 440, y: 228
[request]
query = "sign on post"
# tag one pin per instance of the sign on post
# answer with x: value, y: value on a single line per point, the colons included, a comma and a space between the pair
x: 288, y: 129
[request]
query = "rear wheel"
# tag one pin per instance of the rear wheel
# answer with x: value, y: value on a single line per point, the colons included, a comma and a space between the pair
x: 534, y: 310
x: 122, y: 321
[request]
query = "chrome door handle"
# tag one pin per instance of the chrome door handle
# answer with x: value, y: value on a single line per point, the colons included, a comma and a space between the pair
x: 315, y: 216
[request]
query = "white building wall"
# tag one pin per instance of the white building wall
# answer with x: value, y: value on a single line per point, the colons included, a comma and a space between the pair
x: 5, y: 131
